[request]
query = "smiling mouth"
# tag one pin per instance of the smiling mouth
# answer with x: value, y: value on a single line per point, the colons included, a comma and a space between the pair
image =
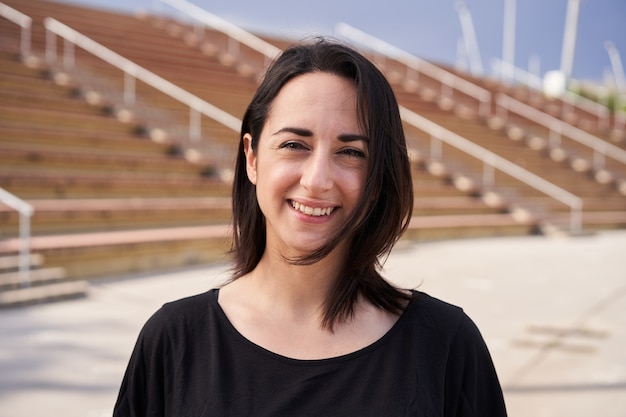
x: 312, y: 211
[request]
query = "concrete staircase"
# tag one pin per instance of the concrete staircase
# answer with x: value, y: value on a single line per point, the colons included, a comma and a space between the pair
x: 44, y: 284
x: 119, y: 189
x: 523, y: 142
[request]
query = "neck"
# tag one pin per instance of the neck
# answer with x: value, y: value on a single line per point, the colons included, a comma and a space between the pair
x: 301, y: 290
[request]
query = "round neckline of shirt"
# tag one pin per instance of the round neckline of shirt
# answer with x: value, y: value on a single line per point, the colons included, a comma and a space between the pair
x: 310, y: 362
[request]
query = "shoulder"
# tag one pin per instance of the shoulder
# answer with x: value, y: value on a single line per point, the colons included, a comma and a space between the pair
x: 180, y: 316
x: 193, y: 305
x: 434, y: 313
x: 442, y: 322
x: 471, y: 383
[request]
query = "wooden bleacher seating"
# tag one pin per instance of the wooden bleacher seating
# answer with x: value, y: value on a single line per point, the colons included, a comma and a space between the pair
x: 110, y: 199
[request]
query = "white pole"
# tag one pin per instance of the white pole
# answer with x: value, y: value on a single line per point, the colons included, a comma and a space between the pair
x: 469, y: 34
x: 569, y: 38
x: 461, y: 55
x: 616, y: 63
x: 508, y: 40
x: 620, y: 83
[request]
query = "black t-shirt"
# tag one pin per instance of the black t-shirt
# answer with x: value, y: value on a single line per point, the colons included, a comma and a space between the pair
x: 189, y: 361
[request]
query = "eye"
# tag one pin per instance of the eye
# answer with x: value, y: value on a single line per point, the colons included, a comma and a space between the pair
x: 293, y: 145
x: 353, y: 153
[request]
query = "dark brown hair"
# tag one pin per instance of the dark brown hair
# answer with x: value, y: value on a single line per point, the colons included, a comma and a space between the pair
x: 385, y: 207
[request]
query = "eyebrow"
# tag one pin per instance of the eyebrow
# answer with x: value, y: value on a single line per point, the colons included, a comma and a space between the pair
x: 345, y: 137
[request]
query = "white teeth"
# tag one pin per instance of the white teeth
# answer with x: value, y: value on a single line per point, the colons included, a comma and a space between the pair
x: 312, y: 211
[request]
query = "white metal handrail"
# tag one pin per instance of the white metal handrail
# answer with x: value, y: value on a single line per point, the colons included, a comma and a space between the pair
x: 21, y: 20
x: 133, y: 71
x: 233, y: 31
x: 25, y: 211
x: 517, y: 74
x: 569, y: 98
x: 448, y: 80
x: 574, y: 100
x: 601, y: 148
x: 492, y: 162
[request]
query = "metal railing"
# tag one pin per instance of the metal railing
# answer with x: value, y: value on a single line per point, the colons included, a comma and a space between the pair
x: 234, y: 32
x: 506, y: 71
x: 450, y: 82
x: 132, y: 72
x: 568, y: 98
x: 24, y: 22
x: 558, y: 128
x: 492, y: 162
x: 25, y: 211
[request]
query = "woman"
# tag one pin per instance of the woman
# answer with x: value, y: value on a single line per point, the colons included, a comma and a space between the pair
x: 308, y: 326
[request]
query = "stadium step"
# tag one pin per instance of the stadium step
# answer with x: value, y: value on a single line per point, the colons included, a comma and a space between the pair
x: 43, y: 285
x: 107, y: 200
x: 42, y: 276
x: 101, y: 214
x: 44, y: 293
x: 98, y: 254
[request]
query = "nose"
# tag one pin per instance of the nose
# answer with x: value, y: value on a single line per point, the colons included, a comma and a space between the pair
x: 317, y: 173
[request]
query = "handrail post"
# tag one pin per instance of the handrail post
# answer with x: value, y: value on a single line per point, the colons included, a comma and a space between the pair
x: 555, y: 135
x: 24, y: 259
x: 25, y: 211
x: 603, y: 120
x: 436, y: 145
x: 233, y: 46
x: 566, y: 106
x: 68, y: 55
x: 24, y: 22
x: 619, y: 112
x: 489, y: 173
x: 198, y: 30
x: 599, y: 156
x: 129, y: 89
x: 25, y: 40
x: 576, y: 217
x: 446, y: 87
x: 484, y: 108
x: 51, y: 46
x: 502, y: 110
x: 195, y: 131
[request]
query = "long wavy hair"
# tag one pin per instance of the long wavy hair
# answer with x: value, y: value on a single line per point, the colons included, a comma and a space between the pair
x: 385, y: 206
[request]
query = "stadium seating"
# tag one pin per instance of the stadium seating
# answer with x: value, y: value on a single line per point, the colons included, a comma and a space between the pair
x: 119, y: 189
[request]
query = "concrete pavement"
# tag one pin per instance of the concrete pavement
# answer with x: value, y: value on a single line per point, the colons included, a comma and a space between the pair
x: 552, y: 310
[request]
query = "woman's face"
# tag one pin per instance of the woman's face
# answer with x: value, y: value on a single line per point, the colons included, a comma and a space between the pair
x: 310, y: 163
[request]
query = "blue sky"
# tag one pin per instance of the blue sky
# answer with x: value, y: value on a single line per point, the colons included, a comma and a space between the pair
x: 431, y: 29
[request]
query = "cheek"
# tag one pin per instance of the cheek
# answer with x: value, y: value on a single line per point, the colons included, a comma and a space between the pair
x: 276, y: 170
x: 352, y: 183
x: 274, y: 179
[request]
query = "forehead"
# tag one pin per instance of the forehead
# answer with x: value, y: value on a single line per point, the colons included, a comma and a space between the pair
x: 317, y: 97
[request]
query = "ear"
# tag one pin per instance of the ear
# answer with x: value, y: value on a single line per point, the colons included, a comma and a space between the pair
x: 250, y: 158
